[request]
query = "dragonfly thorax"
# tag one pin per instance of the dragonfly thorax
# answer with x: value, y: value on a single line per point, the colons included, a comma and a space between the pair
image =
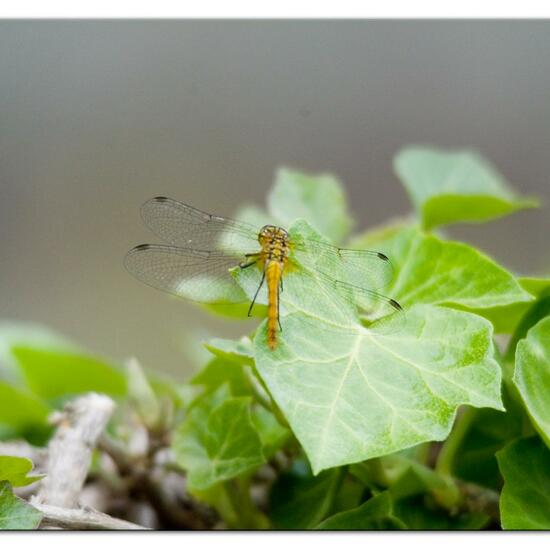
x: 275, y: 242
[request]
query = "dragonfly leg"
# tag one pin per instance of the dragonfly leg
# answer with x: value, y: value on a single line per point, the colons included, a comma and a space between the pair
x: 257, y: 292
x: 252, y: 260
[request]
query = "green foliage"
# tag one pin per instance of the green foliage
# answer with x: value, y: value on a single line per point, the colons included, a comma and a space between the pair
x: 334, y: 389
x: 299, y: 500
x: 56, y: 376
x: 358, y: 419
x: 457, y: 186
x: 318, y: 199
x: 376, y: 513
x: 430, y: 270
x: 21, y: 413
x: 16, y: 514
x: 532, y: 376
x: 218, y: 440
x: 525, y: 499
x: 15, y: 469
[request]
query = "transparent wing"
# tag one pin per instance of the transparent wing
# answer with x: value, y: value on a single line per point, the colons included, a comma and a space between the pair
x: 372, y: 304
x: 365, y: 269
x: 197, y: 275
x: 182, y: 225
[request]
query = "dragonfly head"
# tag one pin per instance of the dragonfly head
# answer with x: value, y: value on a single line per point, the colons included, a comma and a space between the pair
x: 270, y: 234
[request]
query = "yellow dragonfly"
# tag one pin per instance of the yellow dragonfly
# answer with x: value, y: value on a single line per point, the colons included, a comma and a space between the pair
x: 203, y: 250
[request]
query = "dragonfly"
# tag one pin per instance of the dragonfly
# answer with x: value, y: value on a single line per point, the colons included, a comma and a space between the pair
x: 202, y: 250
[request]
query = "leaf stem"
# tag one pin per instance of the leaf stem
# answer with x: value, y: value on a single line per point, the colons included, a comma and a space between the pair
x: 446, y: 457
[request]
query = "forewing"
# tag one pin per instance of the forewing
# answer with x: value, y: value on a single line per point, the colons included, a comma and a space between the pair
x: 201, y: 276
x: 182, y: 225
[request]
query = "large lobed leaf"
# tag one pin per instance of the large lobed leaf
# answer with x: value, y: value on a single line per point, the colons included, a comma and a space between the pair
x: 525, y: 497
x: 455, y: 186
x: 351, y: 393
x: 430, y: 270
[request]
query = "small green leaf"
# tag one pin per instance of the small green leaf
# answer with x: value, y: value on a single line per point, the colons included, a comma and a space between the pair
x: 532, y: 375
x: 14, y: 334
x: 15, y: 513
x: 238, y: 351
x: 55, y: 375
x: 141, y: 394
x: 525, y: 497
x: 488, y: 432
x: 506, y: 318
x: 537, y: 286
x: 217, y: 441
x: 21, y: 410
x: 536, y: 311
x: 318, y: 199
x: 15, y: 469
x: 429, y: 270
x: 455, y: 186
x: 298, y: 500
x: 376, y: 513
x: 218, y: 372
x: 272, y: 434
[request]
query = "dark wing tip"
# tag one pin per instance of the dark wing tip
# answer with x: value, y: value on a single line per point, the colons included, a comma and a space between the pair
x: 140, y: 247
x: 383, y: 257
x: 396, y: 305
x: 161, y: 199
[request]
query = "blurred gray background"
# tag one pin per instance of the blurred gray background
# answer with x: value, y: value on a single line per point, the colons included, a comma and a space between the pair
x: 98, y: 116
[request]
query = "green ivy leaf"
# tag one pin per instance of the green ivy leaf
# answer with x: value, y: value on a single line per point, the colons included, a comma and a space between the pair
x: 31, y: 335
x: 536, y: 311
x: 218, y: 440
x: 376, y: 513
x: 55, y: 375
x: 489, y: 430
x: 15, y: 513
x: 15, y: 469
x: 298, y: 500
x: 455, y: 186
x: 272, y: 435
x: 525, y: 497
x: 219, y: 371
x: 350, y: 393
x: 429, y: 270
x: 532, y: 375
x: 21, y: 411
x: 318, y: 199
x: 329, y: 374
x: 238, y: 351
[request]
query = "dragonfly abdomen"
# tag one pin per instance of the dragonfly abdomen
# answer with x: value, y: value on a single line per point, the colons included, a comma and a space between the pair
x: 273, y: 274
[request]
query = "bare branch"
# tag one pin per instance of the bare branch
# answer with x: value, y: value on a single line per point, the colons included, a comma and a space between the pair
x: 84, y: 518
x: 70, y: 449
